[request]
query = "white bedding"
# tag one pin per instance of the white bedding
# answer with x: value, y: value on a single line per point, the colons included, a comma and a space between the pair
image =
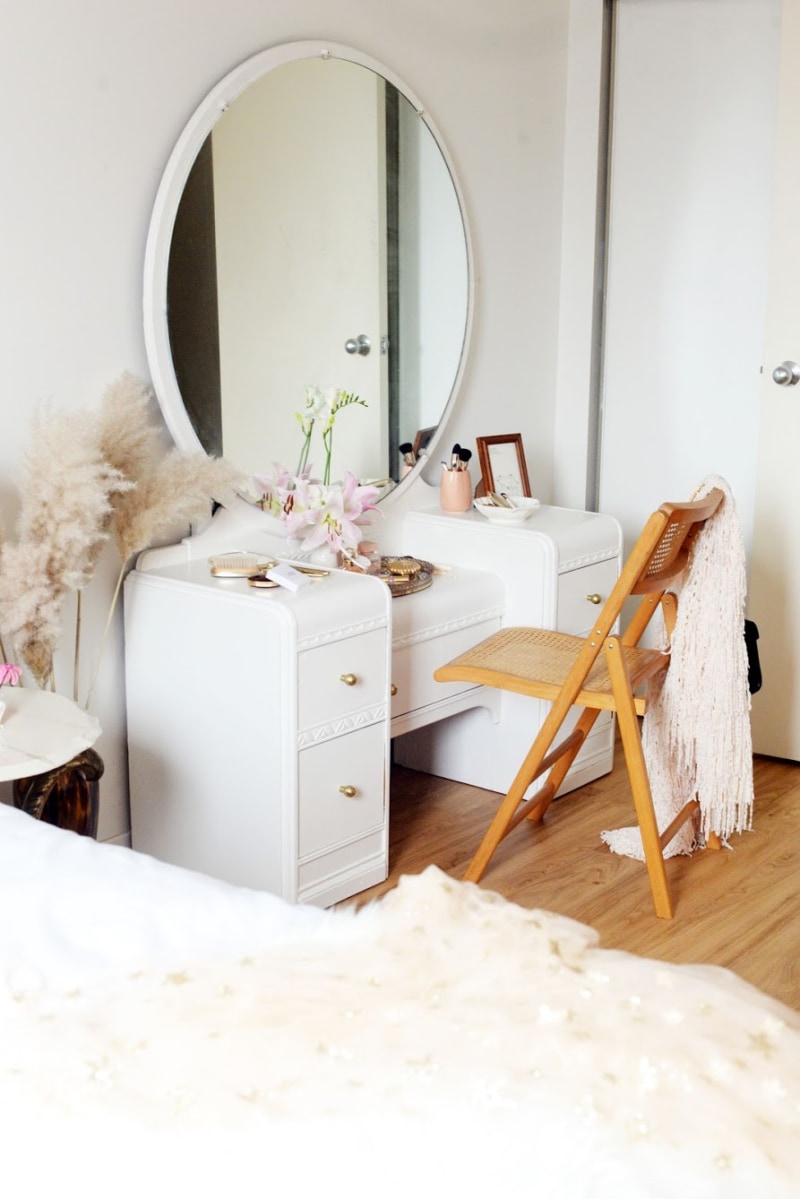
x: 162, y: 1030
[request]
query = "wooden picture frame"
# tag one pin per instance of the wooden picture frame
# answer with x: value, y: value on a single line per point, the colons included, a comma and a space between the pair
x: 502, y: 462
x: 423, y: 436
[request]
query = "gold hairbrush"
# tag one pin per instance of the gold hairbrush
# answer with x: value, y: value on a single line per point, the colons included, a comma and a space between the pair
x: 239, y: 564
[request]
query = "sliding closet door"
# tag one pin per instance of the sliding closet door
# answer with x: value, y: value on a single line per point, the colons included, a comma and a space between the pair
x: 690, y: 189
x: 774, y: 594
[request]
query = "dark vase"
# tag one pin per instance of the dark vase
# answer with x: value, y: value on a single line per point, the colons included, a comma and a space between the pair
x: 68, y: 797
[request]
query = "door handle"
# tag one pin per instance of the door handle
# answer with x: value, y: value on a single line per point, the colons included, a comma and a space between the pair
x: 787, y: 374
x: 358, y: 345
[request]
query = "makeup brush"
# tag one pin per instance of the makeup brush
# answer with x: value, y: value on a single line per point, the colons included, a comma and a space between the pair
x: 407, y: 450
x: 463, y: 459
x: 454, y: 456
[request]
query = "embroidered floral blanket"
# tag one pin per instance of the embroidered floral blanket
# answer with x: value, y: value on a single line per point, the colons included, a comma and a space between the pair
x: 160, y: 1029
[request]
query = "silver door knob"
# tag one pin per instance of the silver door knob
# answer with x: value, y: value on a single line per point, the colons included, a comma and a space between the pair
x: 358, y: 345
x: 787, y: 374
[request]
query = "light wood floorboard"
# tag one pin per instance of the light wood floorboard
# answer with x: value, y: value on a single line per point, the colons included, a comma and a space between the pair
x: 739, y: 908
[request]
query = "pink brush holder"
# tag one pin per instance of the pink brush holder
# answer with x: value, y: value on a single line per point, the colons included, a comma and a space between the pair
x: 455, y: 491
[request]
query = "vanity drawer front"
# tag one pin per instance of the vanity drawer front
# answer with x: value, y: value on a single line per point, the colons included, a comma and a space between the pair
x: 324, y: 694
x: 577, y: 589
x: 327, y: 816
x: 413, y: 667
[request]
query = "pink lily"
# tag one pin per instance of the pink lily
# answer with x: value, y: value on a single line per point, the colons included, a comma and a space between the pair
x: 321, y: 514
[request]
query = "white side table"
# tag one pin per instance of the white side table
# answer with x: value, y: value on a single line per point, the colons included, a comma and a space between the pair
x: 45, y: 749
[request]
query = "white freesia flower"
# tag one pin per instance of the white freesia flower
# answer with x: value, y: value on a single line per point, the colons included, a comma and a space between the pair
x: 319, y: 404
x: 322, y: 405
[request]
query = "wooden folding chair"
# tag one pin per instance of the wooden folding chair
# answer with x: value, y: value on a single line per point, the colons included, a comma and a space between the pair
x: 601, y: 672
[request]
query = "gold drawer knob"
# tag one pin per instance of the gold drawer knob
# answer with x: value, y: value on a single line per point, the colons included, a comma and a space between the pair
x: 594, y: 598
x: 394, y: 689
x: 348, y: 790
x: 349, y: 680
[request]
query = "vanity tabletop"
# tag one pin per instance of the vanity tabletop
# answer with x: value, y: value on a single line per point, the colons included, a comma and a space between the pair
x: 457, y: 598
x: 569, y: 533
x: 323, y: 605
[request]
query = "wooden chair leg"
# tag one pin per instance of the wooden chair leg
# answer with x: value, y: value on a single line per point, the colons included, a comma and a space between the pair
x: 527, y: 772
x: 637, y: 774
x: 498, y: 828
x: 559, y: 772
x: 531, y: 768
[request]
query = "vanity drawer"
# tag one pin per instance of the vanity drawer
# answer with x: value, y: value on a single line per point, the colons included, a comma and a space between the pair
x: 341, y: 677
x: 327, y: 816
x: 577, y: 606
x: 413, y: 667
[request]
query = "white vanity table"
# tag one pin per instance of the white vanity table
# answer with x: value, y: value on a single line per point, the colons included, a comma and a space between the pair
x: 258, y: 727
x: 259, y: 722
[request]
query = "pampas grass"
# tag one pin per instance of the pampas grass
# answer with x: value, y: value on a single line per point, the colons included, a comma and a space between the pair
x: 129, y: 440
x: 3, y: 655
x: 88, y: 476
x: 177, y: 490
x: 66, y: 495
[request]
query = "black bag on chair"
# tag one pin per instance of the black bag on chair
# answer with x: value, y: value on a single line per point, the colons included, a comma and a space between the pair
x: 753, y: 664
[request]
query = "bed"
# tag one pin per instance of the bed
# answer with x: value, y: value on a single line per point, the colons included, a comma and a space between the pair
x: 164, y: 1030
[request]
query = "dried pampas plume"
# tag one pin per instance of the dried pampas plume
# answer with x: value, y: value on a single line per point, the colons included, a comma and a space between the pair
x: 129, y: 440
x: 177, y: 491
x: 171, y: 489
x: 67, y: 494
x: 3, y: 652
x: 86, y: 475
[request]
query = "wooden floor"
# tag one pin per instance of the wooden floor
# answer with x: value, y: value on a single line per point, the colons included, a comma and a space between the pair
x: 739, y: 908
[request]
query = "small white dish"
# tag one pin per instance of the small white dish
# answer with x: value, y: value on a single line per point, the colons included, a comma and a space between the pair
x: 523, y: 507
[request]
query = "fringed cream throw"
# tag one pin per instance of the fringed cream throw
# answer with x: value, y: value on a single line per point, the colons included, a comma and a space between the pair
x: 696, y: 730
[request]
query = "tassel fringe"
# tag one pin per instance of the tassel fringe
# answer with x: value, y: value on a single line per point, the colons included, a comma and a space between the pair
x: 696, y: 731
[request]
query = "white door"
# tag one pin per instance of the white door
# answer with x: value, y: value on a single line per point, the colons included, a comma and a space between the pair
x: 300, y: 208
x: 774, y: 593
x: 689, y: 208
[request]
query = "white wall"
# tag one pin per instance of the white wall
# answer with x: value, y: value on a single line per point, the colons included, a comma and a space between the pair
x: 92, y: 98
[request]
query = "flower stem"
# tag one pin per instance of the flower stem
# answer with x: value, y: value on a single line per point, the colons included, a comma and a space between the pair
x: 104, y: 638
x: 303, y: 462
x: 327, y: 441
x: 76, y: 661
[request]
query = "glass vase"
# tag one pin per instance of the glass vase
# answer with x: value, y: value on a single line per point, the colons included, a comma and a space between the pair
x: 68, y: 797
x: 325, y: 557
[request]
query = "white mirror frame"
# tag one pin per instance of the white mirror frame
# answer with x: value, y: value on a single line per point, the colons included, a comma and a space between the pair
x: 165, y: 208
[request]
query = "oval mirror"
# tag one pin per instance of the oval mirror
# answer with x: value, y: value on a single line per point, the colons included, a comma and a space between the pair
x: 308, y: 231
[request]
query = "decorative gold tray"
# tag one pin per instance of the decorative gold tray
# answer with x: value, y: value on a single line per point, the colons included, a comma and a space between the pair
x: 405, y: 575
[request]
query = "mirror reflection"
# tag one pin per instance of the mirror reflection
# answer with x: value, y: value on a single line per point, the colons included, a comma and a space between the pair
x: 318, y: 242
